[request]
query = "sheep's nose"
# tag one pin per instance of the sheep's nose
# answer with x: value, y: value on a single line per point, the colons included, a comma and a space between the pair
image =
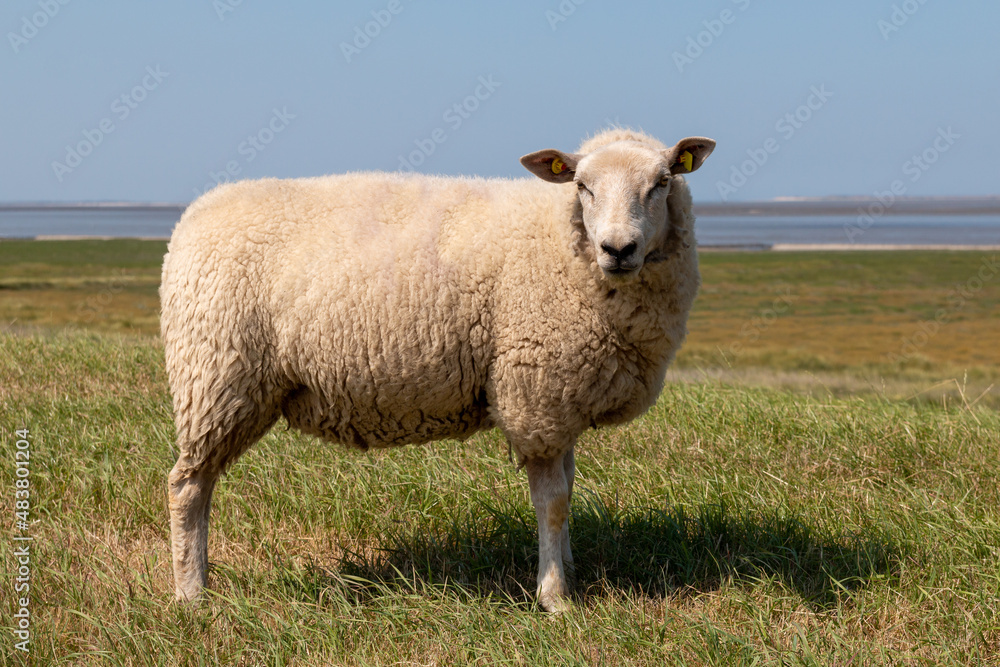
x: 619, y: 253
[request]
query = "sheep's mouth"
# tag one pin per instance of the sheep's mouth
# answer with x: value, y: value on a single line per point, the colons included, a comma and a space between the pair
x: 621, y: 273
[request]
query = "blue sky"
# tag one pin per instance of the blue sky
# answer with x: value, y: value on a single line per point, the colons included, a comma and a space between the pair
x: 804, y: 98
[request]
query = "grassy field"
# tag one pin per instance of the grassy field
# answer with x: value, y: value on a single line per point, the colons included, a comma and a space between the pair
x: 892, y: 324
x: 803, y: 495
x: 104, y: 286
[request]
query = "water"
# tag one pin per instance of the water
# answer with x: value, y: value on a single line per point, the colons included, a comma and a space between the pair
x: 841, y: 229
x: 710, y: 230
x: 142, y: 223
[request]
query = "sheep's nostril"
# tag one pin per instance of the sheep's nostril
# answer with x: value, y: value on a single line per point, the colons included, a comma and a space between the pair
x: 619, y: 253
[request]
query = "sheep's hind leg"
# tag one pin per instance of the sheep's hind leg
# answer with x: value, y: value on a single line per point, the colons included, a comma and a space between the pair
x: 550, y: 496
x: 190, y: 492
x: 190, y: 486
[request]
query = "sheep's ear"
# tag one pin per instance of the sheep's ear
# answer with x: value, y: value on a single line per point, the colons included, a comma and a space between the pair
x: 688, y: 154
x: 551, y: 165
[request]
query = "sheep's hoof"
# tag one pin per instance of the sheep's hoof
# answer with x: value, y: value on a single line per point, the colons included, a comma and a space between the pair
x: 190, y: 597
x: 555, y: 604
x: 186, y: 601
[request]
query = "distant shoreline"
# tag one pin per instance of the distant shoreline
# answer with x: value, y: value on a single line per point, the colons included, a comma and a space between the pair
x: 747, y: 247
x: 830, y: 224
x: 783, y: 207
x: 854, y: 206
x: 849, y: 247
x: 92, y: 206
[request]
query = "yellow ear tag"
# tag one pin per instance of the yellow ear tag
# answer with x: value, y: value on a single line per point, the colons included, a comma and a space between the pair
x: 558, y: 166
x: 687, y: 160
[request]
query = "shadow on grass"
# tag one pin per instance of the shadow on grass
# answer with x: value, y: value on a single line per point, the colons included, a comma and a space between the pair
x: 494, y: 550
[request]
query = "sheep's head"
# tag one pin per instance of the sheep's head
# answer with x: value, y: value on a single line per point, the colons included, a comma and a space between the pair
x: 623, y: 188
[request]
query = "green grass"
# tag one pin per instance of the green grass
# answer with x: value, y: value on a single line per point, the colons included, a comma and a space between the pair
x: 107, y: 286
x: 728, y: 524
x: 740, y: 521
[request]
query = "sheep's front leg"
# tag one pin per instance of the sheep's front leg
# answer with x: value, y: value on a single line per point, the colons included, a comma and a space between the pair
x: 569, y: 469
x: 550, y: 496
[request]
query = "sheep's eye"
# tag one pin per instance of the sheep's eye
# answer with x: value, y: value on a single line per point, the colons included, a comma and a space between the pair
x: 662, y: 183
x: 583, y: 188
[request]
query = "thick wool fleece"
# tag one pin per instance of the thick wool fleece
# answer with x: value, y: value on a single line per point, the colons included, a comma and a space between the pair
x: 382, y: 309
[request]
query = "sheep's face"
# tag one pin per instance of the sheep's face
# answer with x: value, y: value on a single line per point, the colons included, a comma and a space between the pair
x: 623, y: 192
x: 623, y: 189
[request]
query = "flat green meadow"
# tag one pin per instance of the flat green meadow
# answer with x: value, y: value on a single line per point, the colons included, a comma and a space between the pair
x: 817, y: 485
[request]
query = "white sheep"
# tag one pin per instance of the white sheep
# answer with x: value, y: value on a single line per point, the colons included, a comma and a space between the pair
x: 378, y: 309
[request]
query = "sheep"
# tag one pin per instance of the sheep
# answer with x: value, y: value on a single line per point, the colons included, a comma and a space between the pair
x: 376, y: 309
